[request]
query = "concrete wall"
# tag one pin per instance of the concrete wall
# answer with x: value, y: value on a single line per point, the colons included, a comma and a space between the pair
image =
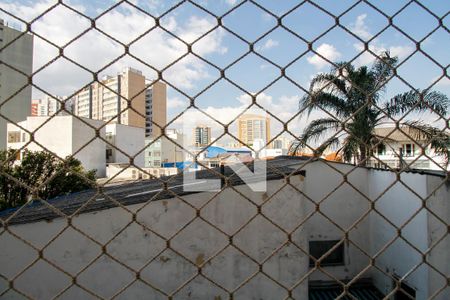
x: 92, y: 156
x: 135, y: 246
x: 130, y: 140
x: 342, y: 206
x: 399, y: 205
x: 18, y: 55
x: 263, y: 237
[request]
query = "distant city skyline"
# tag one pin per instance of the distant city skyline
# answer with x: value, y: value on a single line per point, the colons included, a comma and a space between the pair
x: 191, y: 75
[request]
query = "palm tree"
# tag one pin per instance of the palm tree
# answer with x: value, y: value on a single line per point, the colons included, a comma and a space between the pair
x: 352, y: 97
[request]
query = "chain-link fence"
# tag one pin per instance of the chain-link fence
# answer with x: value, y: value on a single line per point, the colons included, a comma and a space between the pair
x: 357, y: 210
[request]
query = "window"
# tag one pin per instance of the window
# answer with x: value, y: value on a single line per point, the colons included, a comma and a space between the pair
x: 381, y: 149
x: 408, y: 149
x: 108, y: 153
x: 13, y: 137
x: 318, y: 248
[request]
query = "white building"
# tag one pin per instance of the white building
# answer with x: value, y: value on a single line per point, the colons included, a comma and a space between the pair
x: 165, y: 149
x: 265, y: 152
x: 13, y: 85
x: 64, y: 136
x: 125, y: 142
x: 67, y: 135
x: 398, y: 150
x: 405, y: 240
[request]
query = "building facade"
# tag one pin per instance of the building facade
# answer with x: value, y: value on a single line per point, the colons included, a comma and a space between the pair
x: 17, y: 55
x: 73, y: 138
x: 164, y: 150
x: 124, y: 143
x: 251, y: 127
x: 155, y: 109
x: 108, y: 99
x: 397, y: 150
x: 202, y: 136
x: 49, y: 106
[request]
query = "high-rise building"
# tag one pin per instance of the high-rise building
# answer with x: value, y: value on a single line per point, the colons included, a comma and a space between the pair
x: 34, y: 107
x: 252, y: 127
x: 47, y: 106
x: 16, y: 54
x: 108, y: 99
x: 202, y: 136
x: 155, y: 109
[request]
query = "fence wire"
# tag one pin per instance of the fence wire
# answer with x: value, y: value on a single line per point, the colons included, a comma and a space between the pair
x: 344, y: 129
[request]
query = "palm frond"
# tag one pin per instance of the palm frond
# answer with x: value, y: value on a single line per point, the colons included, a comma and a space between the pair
x: 383, y: 69
x: 325, y: 101
x: 438, y: 140
x: 330, y: 83
x: 316, y: 130
x: 429, y: 101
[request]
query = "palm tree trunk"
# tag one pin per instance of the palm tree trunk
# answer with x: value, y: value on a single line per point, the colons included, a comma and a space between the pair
x: 362, y: 155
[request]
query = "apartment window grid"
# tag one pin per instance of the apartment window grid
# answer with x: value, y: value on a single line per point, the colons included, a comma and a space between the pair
x: 336, y: 248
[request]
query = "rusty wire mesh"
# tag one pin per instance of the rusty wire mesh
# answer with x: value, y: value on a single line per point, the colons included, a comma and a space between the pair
x: 200, y: 263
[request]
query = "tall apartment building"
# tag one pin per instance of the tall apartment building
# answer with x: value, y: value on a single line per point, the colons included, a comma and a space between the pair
x: 252, y: 127
x: 202, y: 136
x: 48, y: 106
x: 15, y: 56
x: 155, y: 109
x: 108, y: 100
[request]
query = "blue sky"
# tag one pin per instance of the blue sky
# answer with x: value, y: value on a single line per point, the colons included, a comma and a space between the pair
x: 220, y: 47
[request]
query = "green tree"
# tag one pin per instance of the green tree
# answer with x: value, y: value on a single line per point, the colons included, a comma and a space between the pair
x: 39, y: 174
x: 353, y: 97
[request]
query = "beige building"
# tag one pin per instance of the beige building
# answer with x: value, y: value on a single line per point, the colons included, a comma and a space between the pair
x: 14, y: 90
x: 251, y: 127
x: 101, y: 101
x: 202, y: 136
x: 155, y: 109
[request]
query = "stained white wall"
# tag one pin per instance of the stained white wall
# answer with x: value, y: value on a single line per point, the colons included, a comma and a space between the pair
x: 264, y: 238
x: 399, y: 202
x: 65, y: 135
x: 130, y: 140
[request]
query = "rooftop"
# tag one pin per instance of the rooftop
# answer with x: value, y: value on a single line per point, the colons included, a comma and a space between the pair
x: 152, y: 189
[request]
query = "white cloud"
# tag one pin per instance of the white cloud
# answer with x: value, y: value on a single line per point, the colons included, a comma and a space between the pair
x: 175, y: 102
x: 269, y: 44
x: 231, y: 2
x: 402, y: 51
x: 93, y: 50
x: 327, y: 51
x: 360, y: 28
x: 441, y: 82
